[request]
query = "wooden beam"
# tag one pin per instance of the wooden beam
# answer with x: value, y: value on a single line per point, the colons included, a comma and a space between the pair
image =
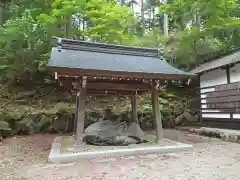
x: 110, y: 92
x: 156, y: 114
x: 115, y: 86
x: 118, y: 86
x: 81, y: 112
x: 72, y: 80
x: 105, y: 79
x: 117, y: 74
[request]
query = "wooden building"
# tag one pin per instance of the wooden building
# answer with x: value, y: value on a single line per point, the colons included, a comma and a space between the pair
x: 220, y: 91
x: 93, y: 69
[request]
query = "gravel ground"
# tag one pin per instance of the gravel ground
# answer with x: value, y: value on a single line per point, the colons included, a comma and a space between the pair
x: 24, y: 158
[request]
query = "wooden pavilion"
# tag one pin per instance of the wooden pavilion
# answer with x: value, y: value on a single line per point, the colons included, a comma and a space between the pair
x: 94, y: 68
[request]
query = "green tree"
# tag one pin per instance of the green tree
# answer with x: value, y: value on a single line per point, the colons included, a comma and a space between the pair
x: 25, y: 39
x: 207, y: 28
x: 23, y: 43
x: 152, y: 39
x: 106, y: 21
x: 199, y: 30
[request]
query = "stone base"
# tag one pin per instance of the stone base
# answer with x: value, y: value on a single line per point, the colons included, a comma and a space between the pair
x: 56, y: 156
x: 224, y: 134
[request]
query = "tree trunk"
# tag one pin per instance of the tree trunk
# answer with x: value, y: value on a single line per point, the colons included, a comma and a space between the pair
x: 165, y: 22
x: 1, y: 12
x: 196, y: 21
x: 68, y: 27
x: 142, y: 13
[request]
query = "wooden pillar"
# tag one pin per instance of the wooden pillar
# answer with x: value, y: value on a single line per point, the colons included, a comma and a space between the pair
x: 156, y: 114
x: 81, y: 112
x: 134, y: 108
x: 76, y: 116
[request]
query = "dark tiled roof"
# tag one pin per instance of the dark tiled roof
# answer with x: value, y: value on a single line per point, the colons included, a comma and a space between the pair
x: 103, y: 57
x: 223, y: 61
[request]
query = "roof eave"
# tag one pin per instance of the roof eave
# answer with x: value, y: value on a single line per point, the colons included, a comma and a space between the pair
x: 144, y: 75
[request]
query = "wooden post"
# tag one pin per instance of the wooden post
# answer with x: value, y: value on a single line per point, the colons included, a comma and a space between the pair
x: 157, y: 114
x: 76, y: 116
x: 81, y: 112
x: 134, y: 108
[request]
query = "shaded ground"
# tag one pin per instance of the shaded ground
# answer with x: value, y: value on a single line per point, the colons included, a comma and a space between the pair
x: 24, y: 158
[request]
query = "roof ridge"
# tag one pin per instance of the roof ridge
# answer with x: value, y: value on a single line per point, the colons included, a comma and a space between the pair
x: 227, y: 59
x: 108, y: 48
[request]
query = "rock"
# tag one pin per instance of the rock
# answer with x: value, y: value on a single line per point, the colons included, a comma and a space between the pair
x: 185, y: 118
x: 135, y: 130
x: 193, y: 103
x: 22, y: 101
x: 146, y: 123
x: 126, y: 140
x: 168, y: 122
x: 189, y: 118
x: 105, y: 132
x: 233, y: 138
x: 179, y: 120
x: 225, y: 137
x: 4, y: 126
x: 150, y: 138
x: 104, y: 128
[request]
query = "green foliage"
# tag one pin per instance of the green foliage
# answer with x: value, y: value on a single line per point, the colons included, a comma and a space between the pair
x: 25, y: 39
x: 115, y: 25
x: 106, y: 21
x: 23, y: 42
x: 4, y: 126
x: 199, y: 31
x: 153, y: 39
x: 207, y: 28
x: 34, y: 122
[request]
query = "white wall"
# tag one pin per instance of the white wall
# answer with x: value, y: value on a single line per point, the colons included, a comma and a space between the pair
x: 227, y: 115
x: 210, y: 110
x: 236, y: 116
x: 213, y: 78
x: 235, y: 77
x: 235, y: 73
x: 212, y: 89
